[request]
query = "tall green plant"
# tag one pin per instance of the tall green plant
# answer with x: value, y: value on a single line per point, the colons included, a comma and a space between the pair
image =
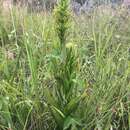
x: 63, y: 100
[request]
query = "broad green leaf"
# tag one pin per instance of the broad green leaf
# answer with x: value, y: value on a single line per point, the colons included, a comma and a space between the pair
x: 58, y: 116
x: 70, y: 121
x: 72, y: 105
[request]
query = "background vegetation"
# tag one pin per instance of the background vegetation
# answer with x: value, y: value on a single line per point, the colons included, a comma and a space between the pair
x: 59, y: 71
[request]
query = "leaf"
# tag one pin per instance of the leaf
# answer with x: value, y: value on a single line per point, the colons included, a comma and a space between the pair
x: 3, y: 35
x: 57, y: 110
x: 1, y: 103
x: 50, y: 98
x: 70, y: 122
x: 58, y: 116
x: 72, y: 105
x: 54, y: 109
x: 6, y: 113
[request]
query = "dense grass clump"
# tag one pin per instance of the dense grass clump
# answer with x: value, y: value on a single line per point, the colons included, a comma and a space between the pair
x: 59, y: 71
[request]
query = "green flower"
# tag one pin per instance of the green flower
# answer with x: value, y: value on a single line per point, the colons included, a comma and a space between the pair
x: 69, y: 45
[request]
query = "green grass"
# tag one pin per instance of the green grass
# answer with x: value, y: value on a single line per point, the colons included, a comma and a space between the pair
x: 77, y: 78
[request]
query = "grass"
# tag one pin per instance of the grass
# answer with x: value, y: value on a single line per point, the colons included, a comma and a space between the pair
x: 65, y: 73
